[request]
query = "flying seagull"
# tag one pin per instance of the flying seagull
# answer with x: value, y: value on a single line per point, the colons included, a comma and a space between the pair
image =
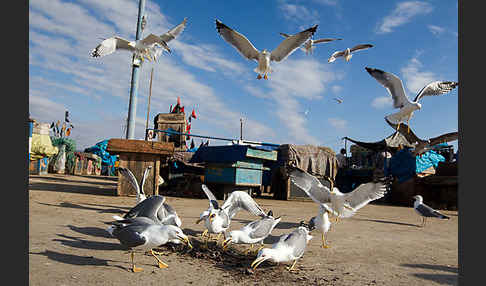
x: 247, y: 50
x: 146, y: 236
x: 422, y: 145
x: 425, y: 211
x: 217, y: 219
x: 347, y: 53
x: 309, y: 46
x: 141, y: 48
x: 155, y: 208
x: 290, y: 247
x: 338, y: 100
x: 133, y: 181
x: 394, y: 86
x: 254, y: 232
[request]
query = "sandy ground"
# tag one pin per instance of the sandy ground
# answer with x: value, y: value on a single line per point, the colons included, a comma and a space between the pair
x: 380, y: 245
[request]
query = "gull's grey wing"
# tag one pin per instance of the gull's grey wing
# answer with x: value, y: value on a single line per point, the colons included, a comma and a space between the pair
x: 310, y: 185
x: 393, y: 85
x: 147, y: 208
x: 297, y: 240
x: 405, y: 131
x: 152, y: 39
x: 325, y: 40
x: 360, y: 47
x: 212, y: 199
x: 145, y: 175
x: 238, y: 41
x: 130, y: 235
x: 436, y: 88
x: 261, y: 228
x: 133, y: 220
x: 427, y: 211
x: 110, y: 45
x: 361, y: 196
x: 174, y: 32
x: 130, y: 178
x: 285, y: 35
x: 292, y: 43
x: 448, y: 137
x: 239, y: 200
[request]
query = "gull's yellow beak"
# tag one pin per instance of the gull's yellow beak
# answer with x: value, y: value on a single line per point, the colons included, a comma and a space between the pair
x: 257, y: 262
x: 185, y: 240
x: 211, y: 217
x: 226, y: 243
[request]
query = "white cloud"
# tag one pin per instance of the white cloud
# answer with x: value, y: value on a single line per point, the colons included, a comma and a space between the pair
x: 338, y: 123
x: 336, y: 88
x: 299, y: 14
x: 415, y: 78
x: 382, y: 102
x: 402, y: 14
x: 436, y: 30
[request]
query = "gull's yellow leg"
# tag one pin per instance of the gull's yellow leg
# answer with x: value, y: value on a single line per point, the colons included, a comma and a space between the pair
x: 265, y: 76
x: 204, y: 233
x: 249, y: 250
x: 160, y: 262
x: 292, y: 267
x: 218, y: 237
x: 324, y: 244
x: 135, y: 269
x: 408, y: 125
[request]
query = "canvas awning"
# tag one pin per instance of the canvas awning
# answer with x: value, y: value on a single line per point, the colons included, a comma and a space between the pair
x: 390, y: 143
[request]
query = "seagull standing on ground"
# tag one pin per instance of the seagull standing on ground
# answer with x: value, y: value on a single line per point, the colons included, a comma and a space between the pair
x: 247, y: 50
x: 290, y: 247
x: 394, y: 86
x: 335, y: 202
x: 425, y: 211
x: 309, y: 46
x: 217, y: 219
x: 254, y: 232
x: 146, y: 236
x: 347, y: 53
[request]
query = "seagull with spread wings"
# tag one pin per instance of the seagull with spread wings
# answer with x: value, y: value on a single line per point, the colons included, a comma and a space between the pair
x: 247, y: 50
x: 394, y: 86
x: 347, y: 53
x: 217, y: 219
x: 309, y: 46
x: 340, y: 204
x: 147, y: 47
x: 422, y: 145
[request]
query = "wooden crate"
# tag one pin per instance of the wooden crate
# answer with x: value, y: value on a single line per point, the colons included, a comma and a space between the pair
x: 176, y: 121
x: 137, y: 155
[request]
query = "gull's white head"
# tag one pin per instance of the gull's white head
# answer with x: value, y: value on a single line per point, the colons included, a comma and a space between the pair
x: 234, y: 236
x: 347, y: 55
x: 176, y: 235
x: 267, y: 254
x: 418, y: 198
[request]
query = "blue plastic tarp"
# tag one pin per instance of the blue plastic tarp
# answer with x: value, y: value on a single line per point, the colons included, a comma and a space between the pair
x: 100, y: 150
x: 402, y: 165
x: 427, y: 160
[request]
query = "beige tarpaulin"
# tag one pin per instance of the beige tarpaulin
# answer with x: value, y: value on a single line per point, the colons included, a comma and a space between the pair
x: 316, y: 160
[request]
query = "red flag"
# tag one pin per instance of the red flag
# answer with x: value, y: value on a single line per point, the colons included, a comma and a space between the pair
x: 182, y: 110
x: 170, y: 109
x: 178, y: 100
x: 193, y: 114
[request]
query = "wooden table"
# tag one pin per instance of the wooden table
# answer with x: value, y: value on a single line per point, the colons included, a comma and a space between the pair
x: 137, y: 155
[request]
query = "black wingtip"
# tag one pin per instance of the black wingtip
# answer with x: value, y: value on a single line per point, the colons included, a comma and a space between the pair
x: 270, y: 213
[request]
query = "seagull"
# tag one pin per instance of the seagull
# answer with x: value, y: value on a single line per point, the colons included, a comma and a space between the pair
x: 155, y: 208
x: 394, y: 86
x: 290, y: 247
x: 338, y: 100
x: 347, y: 52
x: 425, y: 211
x: 254, y: 232
x: 141, y: 48
x: 146, y: 236
x: 335, y: 202
x: 133, y: 181
x: 422, y: 145
x: 217, y: 219
x: 247, y: 50
x: 309, y: 46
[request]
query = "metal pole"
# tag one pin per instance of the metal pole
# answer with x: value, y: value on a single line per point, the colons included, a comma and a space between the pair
x: 148, y: 105
x: 132, y: 107
x: 241, y: 128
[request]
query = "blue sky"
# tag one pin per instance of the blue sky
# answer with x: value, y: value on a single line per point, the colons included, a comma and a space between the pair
x: 416, y: 40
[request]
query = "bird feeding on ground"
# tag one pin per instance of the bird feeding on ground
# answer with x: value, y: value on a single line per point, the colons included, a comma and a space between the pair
x: 264, y: 57
x: 394, y: 86
x: 425, y: 211
x: 254, y: 232
x: 146, y: 236
x: 289, y: 247
x: 217, y: 219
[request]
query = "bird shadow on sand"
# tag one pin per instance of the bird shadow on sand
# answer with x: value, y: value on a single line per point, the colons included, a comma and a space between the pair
x: 93, y: 231
x: 117, y: 210
x: 76, y: 259
x: 77, y: 242
x: 445, y: 279
x: 387, y: 221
